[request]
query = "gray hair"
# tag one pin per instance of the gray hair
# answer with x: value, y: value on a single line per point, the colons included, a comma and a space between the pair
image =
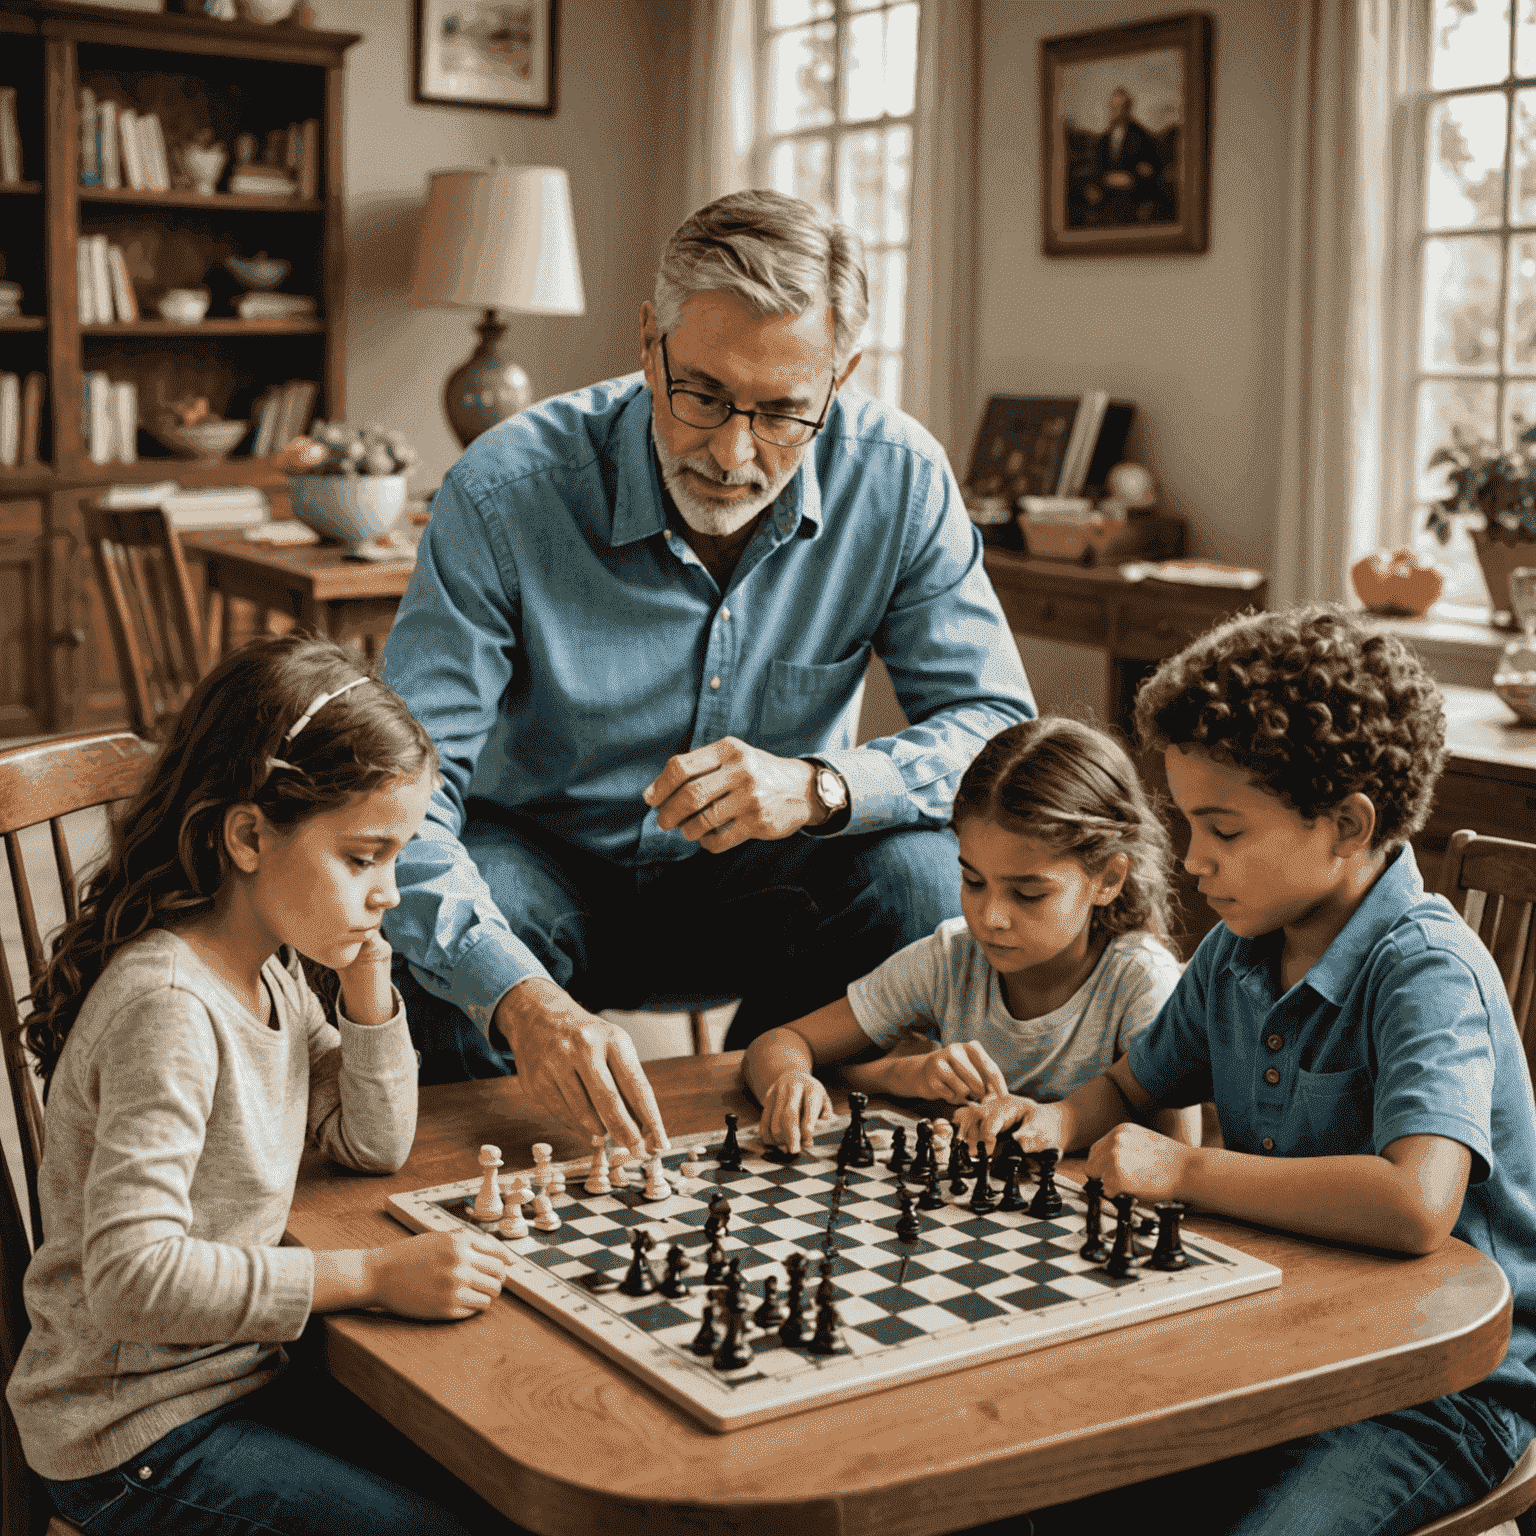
x: 775, y: 253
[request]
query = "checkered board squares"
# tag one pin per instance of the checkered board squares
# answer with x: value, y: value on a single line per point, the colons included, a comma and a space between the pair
x: 974, y: 1288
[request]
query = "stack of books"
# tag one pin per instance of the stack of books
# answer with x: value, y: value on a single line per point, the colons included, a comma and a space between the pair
x: 21, y: 418
x: 10, y: 136
x: 215, y: 506
x: 110, y: 420
x: 282, y: 414
x: 102, y: 287
x: 119, y: 146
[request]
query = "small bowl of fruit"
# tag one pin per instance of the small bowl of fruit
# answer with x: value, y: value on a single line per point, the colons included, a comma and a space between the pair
x: 349, y: 484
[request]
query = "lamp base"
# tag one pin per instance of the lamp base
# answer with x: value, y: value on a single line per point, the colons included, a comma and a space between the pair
x: 488, y: 388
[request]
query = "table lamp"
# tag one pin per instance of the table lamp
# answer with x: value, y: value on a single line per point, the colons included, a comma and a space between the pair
x: 496, y: 237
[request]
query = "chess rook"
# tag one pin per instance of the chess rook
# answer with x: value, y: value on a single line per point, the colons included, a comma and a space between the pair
x: 1169, y: 1253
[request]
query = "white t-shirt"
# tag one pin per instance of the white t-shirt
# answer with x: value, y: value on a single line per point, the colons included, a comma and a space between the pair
x: 944, y: 988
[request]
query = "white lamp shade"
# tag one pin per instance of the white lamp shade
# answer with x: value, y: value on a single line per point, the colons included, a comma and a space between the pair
x: 500, y: 237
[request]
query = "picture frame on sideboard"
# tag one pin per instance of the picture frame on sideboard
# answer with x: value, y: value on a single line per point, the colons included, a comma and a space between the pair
x: 489, y: 54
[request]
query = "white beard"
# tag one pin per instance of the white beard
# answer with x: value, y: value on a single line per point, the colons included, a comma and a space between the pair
x: 717, y: 519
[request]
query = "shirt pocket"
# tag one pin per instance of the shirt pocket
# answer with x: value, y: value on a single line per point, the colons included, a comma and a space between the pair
x: 807, y: 707
x: 1335, y: 1112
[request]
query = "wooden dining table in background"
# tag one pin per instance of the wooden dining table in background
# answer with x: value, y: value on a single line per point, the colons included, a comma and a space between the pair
x: 565, y: 1442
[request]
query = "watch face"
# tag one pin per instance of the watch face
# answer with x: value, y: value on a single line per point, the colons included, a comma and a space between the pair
x: 829, y: 790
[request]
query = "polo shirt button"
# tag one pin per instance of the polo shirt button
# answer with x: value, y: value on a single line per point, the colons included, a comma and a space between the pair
x: 145, y: 1473
x: 1268, y: 1143
x: 725, y: 613
x: 1272, y: 1077
x: 714, y: 682
x: 1275, y: 1042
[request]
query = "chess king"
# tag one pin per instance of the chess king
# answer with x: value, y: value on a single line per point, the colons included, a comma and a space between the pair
x: 636, y: 632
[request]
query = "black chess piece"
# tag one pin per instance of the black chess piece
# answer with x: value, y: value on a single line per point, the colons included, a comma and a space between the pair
x: 734, y: 1353
x: 1011, y: 1199
x: 1047, y: 1201
x: 708, y: 1336
x: 1169, y: 1252
x: 983, y: 1200
x: 734, y: 1283
x: 855, y: 1150
x: 1094, y: 1250
x: 932, y: 1198
x: 826, y: 1340
x: 899, y: 1159
x: 908, y: 1227
x: 866, y: 1157
x: 1123, y: 1255
x: 922, y: 1158
x: 967, y: 1167
x: 772, y: 1312
x: 953, y: 1173
x: 714, y: 1259
x: 728, y: 1153
x: 792, y: 1334
x: 824, y: 1289
x: 672, y: 1283
x: 639, y: 1279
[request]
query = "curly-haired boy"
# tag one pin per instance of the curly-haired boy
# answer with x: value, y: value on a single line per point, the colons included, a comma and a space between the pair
x: 1355, y: 1036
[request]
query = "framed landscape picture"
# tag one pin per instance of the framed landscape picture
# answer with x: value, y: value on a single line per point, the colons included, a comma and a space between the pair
x: 1125, y: 138
x: 486, y: 53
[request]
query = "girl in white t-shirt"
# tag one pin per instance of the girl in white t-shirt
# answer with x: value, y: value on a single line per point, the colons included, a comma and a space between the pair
x: 1058, y: 961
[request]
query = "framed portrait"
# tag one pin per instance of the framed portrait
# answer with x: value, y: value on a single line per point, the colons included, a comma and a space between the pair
x: 486, y: 53
x: 1125, y: 138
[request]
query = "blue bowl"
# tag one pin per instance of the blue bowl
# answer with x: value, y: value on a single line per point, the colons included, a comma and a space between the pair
x: 351, y: 510
x: 260, y: 271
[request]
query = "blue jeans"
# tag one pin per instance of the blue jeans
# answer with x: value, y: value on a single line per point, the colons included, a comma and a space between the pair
x: 785, y: 926
x: 298, y: 1457
x: 1381, y: 1477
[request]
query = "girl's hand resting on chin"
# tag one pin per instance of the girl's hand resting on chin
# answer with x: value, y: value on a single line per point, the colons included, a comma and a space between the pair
x: 367, y: 996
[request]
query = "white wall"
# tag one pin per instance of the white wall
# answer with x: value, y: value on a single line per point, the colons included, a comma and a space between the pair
x: 603, y: 134
x: 1194, y: 340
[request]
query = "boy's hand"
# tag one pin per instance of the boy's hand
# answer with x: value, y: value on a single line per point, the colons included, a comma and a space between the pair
x: 955, y: 1073
x: 1035, y: 1126
x: 1133, y: 1160
x: 794, y: 1105
x: 437, y: 1275
x: 366, y: 994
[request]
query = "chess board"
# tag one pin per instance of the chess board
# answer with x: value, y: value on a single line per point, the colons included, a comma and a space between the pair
x: 971, y: 1288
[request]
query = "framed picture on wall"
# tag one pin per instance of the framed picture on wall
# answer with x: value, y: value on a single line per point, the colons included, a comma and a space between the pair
x: 1125, y: 138
x: 486, y: 53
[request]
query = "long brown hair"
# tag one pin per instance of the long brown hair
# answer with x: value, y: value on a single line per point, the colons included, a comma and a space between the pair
x: 1074, y: 788
x: 166, y: 860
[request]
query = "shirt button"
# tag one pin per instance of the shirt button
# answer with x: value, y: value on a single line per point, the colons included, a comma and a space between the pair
x: 714, y: 682
x: 1268, y: 1143
x: 145, y: 1473
x: 1275, y: 1042
x: 725, y: 613
x: 1272, y: 1077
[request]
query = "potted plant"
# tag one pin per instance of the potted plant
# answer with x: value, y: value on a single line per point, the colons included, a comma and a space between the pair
x: 1501, y: 485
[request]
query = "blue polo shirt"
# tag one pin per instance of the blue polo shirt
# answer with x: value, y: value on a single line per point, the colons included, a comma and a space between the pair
x: 1402, y: 1028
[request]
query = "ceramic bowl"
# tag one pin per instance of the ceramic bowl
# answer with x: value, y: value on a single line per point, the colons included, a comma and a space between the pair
x: 259, y: 271
x: 208, y: 440
x: 186, y: 306
x: 351, y: 510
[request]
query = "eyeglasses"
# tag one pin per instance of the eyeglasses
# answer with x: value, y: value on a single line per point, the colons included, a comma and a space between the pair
x: 694, y: 409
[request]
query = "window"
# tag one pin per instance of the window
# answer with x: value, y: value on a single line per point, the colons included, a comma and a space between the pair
x: 836, y: 129
x: 1474, y: 265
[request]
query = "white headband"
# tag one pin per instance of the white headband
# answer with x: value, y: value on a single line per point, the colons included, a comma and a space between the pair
x: 308, y: 715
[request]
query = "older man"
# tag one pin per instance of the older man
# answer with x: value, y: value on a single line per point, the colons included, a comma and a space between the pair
x: 636, y: 632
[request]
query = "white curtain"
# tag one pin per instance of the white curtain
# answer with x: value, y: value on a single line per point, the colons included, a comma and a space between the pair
x: 937, y: 377
x: 1337, y: 418
x: 721, y: 97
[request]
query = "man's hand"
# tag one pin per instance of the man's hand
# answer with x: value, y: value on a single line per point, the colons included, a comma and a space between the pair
x: 578, y: 1067
x: 729, y: 793
x: 1133, y: 1160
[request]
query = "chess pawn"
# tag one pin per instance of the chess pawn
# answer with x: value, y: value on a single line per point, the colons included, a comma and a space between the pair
x: 488, y: 1206
x: 772, y: 1312
x: 514, y: 1224
x: 516, y: 1195
x: 597, y: 1181
x: 708, y: 1337
x: 672, y: 1283
x: 931, y: 1198
x: 544, y: 1217
x: 543, y: 1156
x: 617, y: 1177
x: 899, y: 1159
x: 826, y: 1341
x: 553, y: 1183
x: 656, y: 1186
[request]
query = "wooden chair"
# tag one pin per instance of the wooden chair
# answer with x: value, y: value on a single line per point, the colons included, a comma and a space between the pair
x: 151, y: 610
x: 39, y: 783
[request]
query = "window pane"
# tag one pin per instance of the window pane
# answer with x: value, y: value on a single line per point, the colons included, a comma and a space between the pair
x: 863, y: 5
x: 1523, y: 188
x: 801, y: 71
x: 861, y: 182
x: 901, y: 60
x: 1519, y: 400
x: 793, y: 13
x: 803, y: 168
x: 1460, y: 323
x: 882, y: 64
x: 1456, y: 561
x: 1520, y: 352
x: 893, y: 319
x: 1471, y: 43
x: 898, y: 174
x: 1525, y: 39
x: 1466, y: 161
x: 890, y: 380
x: 1444, y: 403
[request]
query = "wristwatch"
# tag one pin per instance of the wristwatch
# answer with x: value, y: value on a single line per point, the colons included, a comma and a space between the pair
x: 829, y: 787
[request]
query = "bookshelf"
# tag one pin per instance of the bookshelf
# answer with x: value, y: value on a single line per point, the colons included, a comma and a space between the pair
x: 195, y: 74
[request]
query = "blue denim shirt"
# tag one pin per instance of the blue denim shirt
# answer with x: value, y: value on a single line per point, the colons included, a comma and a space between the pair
x: 1402, y: 1028
x: 560, y: 643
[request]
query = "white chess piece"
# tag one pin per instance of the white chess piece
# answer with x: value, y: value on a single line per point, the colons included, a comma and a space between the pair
x: 656, y: 1186
x: 544, y: 1217
x: 616, y: 1174
x: 597, y: 1181
x: 488, y: 1206
x: 543, y: 1155
x: 553, y: 1181
x: 517, y: 1194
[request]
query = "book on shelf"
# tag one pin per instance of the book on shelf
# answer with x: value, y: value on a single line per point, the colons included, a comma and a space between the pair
x: 98, y: 418
x: 132, y: 149
x: 32, y: 416
x: 309, y: 157
x: 10, y: 136
x: 157, y: 168
x: 214, y: 507
x: 125, y: 421
x: 101, y: 280
x: 10, y: 420
x: 110, y: 150
x: 90, y: 150
x: 85, y: 283
x: 124, y: 300
x: 136, y: 498
x: 296, y: 399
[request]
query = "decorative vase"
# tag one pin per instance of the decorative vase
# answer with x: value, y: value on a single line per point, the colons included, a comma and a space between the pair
x: 1514, y: 678
x: 1396, y: 582
x: 204, y: 164
x: 1500, y: 551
